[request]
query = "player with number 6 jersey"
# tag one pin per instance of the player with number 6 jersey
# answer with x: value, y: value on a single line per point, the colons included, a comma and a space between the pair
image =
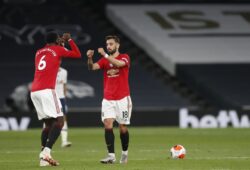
x: 43, y: 94
x: 47, y: 62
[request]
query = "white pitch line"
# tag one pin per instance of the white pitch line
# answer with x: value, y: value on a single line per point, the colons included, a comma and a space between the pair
x: 17, y: 161
x: 38, y: 151
x: 18, y: 152
x: 150, y: 150
x: 22, y: 152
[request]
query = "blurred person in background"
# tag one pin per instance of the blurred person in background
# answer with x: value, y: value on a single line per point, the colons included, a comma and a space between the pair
x: 61, y: 90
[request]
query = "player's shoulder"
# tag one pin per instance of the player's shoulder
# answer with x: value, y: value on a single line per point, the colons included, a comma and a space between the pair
x: 58, y: 47
x: 124, y: 55
x: 60, y: 50
x: 53, y: 48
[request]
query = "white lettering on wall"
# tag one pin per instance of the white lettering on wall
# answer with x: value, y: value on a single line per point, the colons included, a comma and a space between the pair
x: 223, y: 120
x: 11, y: 123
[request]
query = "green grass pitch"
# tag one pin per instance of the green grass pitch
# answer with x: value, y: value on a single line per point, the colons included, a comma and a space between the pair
x: 207, y: 149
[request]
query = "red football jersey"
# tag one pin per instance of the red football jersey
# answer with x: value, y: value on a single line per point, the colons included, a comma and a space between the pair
x: 116, y: 84
x: 47, y: 62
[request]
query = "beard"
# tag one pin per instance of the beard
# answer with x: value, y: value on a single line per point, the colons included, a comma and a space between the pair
x: 111, y: 52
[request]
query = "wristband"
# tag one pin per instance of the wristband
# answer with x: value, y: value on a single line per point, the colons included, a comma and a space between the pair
x: 106, y: 55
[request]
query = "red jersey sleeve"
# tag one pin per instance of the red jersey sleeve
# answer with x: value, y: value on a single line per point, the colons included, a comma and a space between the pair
x: 126, y: 59
x: 73, y: 53
x: 101, y: 63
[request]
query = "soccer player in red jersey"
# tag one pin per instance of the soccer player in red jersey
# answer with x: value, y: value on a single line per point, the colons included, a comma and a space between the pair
x: 116, y: 104
x: 43, y: 95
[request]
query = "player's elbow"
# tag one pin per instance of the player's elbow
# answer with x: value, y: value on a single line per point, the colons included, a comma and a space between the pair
x: 77, y: 54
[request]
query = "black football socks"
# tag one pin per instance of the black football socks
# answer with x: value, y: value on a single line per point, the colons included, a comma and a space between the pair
x: 44, y: 136
x: 124, y: 140
x: 110, y: 139
x: 54, y: 134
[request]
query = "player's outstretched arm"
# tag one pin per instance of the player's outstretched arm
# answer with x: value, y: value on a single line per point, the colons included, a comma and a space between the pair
x: 115, y: 62
x: 91, y: 65
x: 74, y: 52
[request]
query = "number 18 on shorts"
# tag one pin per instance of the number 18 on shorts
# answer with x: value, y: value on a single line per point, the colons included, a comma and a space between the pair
x: 120, y: 110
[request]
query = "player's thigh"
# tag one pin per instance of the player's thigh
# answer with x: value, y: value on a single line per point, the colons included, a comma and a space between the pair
x: 124, y: 110
x: 108, y: 109
x: 47, y: 104
x: 36, y: 100
x: 52, y: 105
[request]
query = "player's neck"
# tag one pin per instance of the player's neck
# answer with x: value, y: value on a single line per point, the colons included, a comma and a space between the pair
x: 116, y: 54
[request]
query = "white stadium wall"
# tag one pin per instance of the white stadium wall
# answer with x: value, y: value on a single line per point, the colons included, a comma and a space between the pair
x: 187, y: 34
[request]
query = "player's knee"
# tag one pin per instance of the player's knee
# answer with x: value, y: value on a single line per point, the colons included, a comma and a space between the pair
x: 108, y: 123
x: 60, y: 122
x: 123, y: 128
x: 108, y: 126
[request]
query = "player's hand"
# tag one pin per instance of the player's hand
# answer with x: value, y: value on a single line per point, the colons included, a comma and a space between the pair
x: 90, y: 53
x: 61, y: 41
x: 66, y: 36
x: 112, y: 72
x: 101, y: 51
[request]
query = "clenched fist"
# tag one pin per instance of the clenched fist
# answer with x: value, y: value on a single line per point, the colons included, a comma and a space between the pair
x: 90, y: 53
x: 66, y: 36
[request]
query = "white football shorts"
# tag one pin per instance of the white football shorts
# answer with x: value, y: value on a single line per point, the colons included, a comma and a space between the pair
x: 120, y: 110
x: 47, y: 104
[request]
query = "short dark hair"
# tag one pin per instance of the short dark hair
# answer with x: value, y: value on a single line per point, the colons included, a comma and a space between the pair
x: 51, y: 37
x: 114, y: 37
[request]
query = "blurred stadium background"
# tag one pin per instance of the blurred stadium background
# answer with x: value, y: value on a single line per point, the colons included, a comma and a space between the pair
x: 190, y: 59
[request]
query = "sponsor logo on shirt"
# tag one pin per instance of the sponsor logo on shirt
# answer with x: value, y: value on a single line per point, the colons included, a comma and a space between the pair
x: 113, y: 72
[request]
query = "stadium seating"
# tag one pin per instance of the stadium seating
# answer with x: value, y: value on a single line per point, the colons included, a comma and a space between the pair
x: 225, y: 85
x: 211, y: 59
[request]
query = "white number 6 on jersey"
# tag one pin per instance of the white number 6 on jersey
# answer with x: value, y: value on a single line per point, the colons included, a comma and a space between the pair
x: 42, y: 63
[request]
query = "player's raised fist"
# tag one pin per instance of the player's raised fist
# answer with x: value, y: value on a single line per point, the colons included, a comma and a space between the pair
x: 101, y: 51
x: 90, y: 53
x: 66, y: 36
